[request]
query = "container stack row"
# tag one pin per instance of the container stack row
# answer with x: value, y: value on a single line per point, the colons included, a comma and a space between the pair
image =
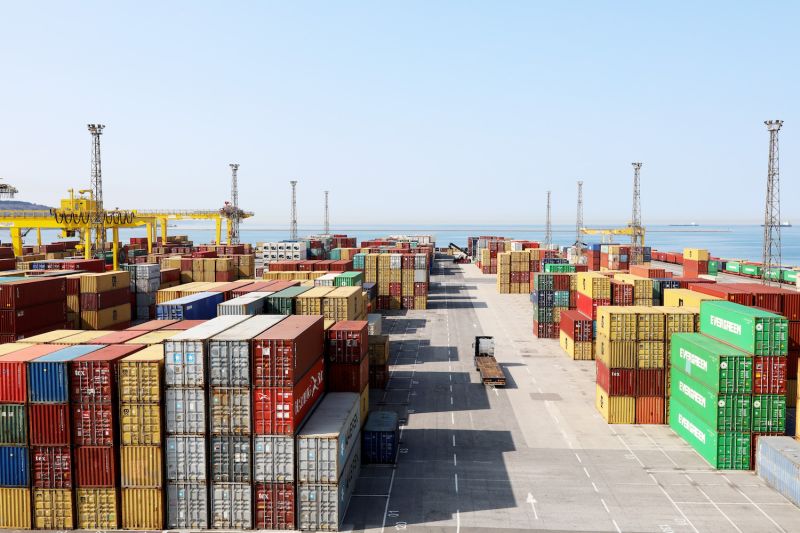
x: 145, y: 284
x: 31, y: 306
x: 105, y: 300
x: 552, y: 295
x: 347, y: 361
x: 402, y: 279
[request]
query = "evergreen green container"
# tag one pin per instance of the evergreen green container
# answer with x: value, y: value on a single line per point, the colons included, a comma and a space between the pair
x: 769, y: 413
x: 725, y: 451
x: 722, y: 412
x: 715, y: 365
x: 283, y: 302
x: 755, y: 331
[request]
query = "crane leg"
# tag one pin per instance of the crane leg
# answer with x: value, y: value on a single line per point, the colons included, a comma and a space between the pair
x: 16, y: 241
x: 163, y: 231
x: 38, y: 236
x: 115, y: 247
x: 219, y: 230
x: 87, y: 243
x: 149, y: 238
x: 230, y: 229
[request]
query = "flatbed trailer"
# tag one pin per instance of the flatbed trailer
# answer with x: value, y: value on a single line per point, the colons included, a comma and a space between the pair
x: 485, y: 363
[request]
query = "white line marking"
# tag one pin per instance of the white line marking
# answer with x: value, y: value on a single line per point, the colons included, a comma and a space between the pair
x: 454, y: 441
x: 451, y: 400
x: 386, y: 509
x: 595, y: 487
x: 586, y: 472
x: 671, y: 500
x: 451, y: 377
x: 531, y: 500
x: 452, y: 418
x: 616, y: 525
x: 495, y: 392
x: 754, y: 503
x: 578, y: 457
x: 458, y: 521
x: 718, y: 508
x: 604, y: 505
x: 528, y: 370
x: 451, y: 387
x: 456, y: 480
x: 455, y: 462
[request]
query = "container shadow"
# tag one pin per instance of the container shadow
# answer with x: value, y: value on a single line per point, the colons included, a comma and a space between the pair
x: 455, y: 304
x: 400, y: 324
x: 428, y: 487
x: 430, y: 392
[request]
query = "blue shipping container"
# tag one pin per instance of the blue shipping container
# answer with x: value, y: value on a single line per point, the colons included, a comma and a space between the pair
x: 778, y: 463
x: 380, y: 438
x: 14, y: 466
x: 48, y: 376
x: 201, y: 306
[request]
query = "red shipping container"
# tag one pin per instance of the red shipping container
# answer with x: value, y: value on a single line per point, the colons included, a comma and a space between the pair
x: 22, y: 320
x: 621, y: 293
x: 730, y: 294
x: 281, y: 410
x: 51, y: 467
x: 769, y: 375
x: 420, y: 289
x: 252, y: 287
x: 646, y: 271
x: 6, y: 252
x: 347, y: 341
x: 49, y: 424
x: 121, y: 337
x: 224, y: 276
x: 284, y: 353
x: 395, y: 289
x: 36, y: 291
x: 275, y: 506
x: 93, y: 376
x: 8, y: 264
x: 348, y: 377
x: 650, y: 382
x: 407, y: 302
x: 182, y: 325
x: 93, y: 424
x: 576, y: 325
x: 384, y: 302
x: 95, y: 466
x: 73, y: 285
x: 13, y: 371
x: 791, y: 304
x: 89, y: 265
x: 588, y: 306
x: 170, y: 274
x: 545, y: 330
x: 650, y: 410
x: 94, y: 301
x: 616, y: 381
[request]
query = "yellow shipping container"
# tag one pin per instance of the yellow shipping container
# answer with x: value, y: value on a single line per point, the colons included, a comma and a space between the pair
x: 695, y: 254
x: 364, y: 405
x: 141, y: 466
x: 52, y: 509
x: 140, y: 424
x: 81, y: 337
x: 420, y: 302
x: 106, y: 281
x: 642, y: 287
x: 15, y: 508
x: 154, y: 337
x: 142, y: 509
x: 106, y: 318
x: 679, y: 320
x: 594, y: 285
x: 342, y: 303
x: 579, y: 351
x: 13, y: 347
x: 615, y: 353
x: 51, y: 336
x: 615, y: 409
x: 310, y: 302
x: 650, y: 354
x: 649, y: 324
x: 97, y: 508
x: 73, y: 303
x: 616, y: 322
x: 685, y: 298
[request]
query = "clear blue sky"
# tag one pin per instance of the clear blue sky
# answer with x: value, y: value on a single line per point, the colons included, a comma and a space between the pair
x: 415, y: 111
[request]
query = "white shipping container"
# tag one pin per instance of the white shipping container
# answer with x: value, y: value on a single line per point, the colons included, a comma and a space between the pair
x: 231, y: 506
x: 325, y: 280
x: 420, y: 276
x: 147, y: 285
x: 229, y: 352
x: 374, y: 324
x: 186, y: 411
x: 327, y: 438
x: 249, y: 304
x: 148, y: 271
x: 323, y: 506
x: 186, y: 458
x: 273, y: 458
x: 230, y: 459
x: 184, y: 354
x: 187, y: 505
x: 395, y: 261
x: 778, y: 463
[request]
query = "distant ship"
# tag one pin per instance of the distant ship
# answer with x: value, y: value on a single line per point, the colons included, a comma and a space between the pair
x: 784, y: 224
x: 690, y: 224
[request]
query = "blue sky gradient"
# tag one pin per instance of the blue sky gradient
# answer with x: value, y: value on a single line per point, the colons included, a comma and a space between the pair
x: 409, y: 112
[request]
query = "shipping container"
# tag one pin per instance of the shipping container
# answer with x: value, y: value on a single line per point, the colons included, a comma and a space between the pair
x: 200, y: 306
x: 250, y: 304
x: 107, y: 281
x: 285, y: 352
x: 119, y: 337
x: 231, y: 506
x: 94, y: 301
x: 140, y: 424
x: 98, y: 508
x: 754, y: 331
x: 274, y: 506
x: 14, y: 371
x: 231, y: 459
x: 186, y: 458
x: 331, y: 432
x: 273, y: 458
x: 722, y: 413
x: 52, y: 509
x: 51, y: 336
x: 617, y: 381
x: 13, y: 425
x: 49, y: 424
x: 83, y: 337
x: 615, y: 409
x: 93, y: 376
x: 230, y: 411
x: 380, y: 438
x: 616, y: 354
x: 714, y: 364
x: 323, y: 506
x: 140, y: 376
x: 110, y: 317
x: 347, y: 377
x: 347, y: 341
x: 48, y: 375
x: 649, y: 410
x: 769, y: 375
x: 142, y: 509
x: 283, y: 302
x: 186, y: 411
x: 724, y: 451
x: 95, y: 466
x: 187, y: 505
x: 152, y: 325
x: 281, y: 410
x: 769, y: 413
x: 51, y: 467
x: 154, y: 337
x: 16, y: 503
x: 30, y: 292
x: 31, y: 319
x: 229, y: 352
x: 778, y: 464
x: 141, y: 467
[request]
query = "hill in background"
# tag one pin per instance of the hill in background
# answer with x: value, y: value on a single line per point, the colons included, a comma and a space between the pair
x: 19, y: 205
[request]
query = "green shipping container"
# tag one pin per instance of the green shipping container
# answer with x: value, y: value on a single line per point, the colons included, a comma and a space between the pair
x: 559, y: 269
x: 751, y: 270
x: 774, y: 274
x: 13, y: 425
x: 713, y: 268
x: 560, y: 298
x: 713, y: 364
x: 789, y: 276
x: 283, y: 302
x: 725, y: 451
x: 733, y: 266
x: 335, y: 254
x: 349, y: 279
x: 769, y: 413
x: 543, y: 314
x: 543, y: 282
x: 727, y: 412
x: 754, y: 331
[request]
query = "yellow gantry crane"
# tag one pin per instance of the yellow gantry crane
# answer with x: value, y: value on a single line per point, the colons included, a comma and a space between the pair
x: 607, y: 233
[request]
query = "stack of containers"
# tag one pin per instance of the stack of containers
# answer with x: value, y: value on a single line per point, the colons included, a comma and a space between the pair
x: 347, y: 360
x: 551, y: 296
x: 488, y: 258
x: 378, y: 355
x: 145, y: 283
x: 94, y: 429
x: 311, y: 301
x: 328, y: 462
x: 288, y: 381
x: 695, y: 262
x: 594, y: 290
x: 31, y: 306
x: 49, y: 439
x: 751, y: 341
x: 105, y: 300
x: 344, y: 303
x: 616, y: 364
x: 230, y: 416
x: 513, y: 272
x: 642, y: 288
x: 186, y: 445
x: 73, y: 288
x: 140, y: 417
x: 576, y: 335
x: 250, y: 304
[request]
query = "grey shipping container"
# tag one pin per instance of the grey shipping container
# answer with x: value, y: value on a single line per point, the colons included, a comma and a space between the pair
x: 145, y: 299
x: 778, y: 463
x: 273, y: 458
x: 374, y: 324
x: 324, y: 443
x: 322, y: 506
x: 187, y: 506
x: 231, y: 506
x: 230, y: 459
x: 248, y: 304
x: 186, y: 458
x: 185, y: 353
x: 229, y: 352
x: 146, y: 285
x: 230, y: 411
x: 186, y: 411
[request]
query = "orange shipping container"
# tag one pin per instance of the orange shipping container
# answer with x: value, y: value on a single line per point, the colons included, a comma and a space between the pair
x: 650, y: 410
